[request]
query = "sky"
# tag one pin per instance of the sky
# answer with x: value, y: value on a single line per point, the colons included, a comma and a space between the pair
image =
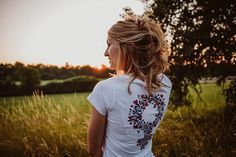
x: 58, y: 31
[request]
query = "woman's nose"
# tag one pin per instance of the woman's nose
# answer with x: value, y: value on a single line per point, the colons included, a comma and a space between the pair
x: 106, y: 53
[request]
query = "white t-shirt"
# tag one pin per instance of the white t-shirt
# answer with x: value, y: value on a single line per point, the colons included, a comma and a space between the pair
x: 131, y: 119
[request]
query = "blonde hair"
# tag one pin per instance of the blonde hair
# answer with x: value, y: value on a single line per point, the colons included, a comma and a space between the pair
x: 143, y: 50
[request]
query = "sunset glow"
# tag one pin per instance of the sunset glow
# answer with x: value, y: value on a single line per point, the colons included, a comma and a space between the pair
x: 58, y: 31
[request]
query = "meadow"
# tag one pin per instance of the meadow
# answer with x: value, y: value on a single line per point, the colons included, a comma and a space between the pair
x: 56, y: 125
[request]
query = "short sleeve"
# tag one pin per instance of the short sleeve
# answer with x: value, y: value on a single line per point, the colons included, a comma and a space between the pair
x: 101, y: 98
x: 167, y: 89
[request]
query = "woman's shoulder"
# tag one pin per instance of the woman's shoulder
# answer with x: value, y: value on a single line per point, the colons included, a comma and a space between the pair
x: 165, y: 80
x: 106, y: 83
x: 116, y: 81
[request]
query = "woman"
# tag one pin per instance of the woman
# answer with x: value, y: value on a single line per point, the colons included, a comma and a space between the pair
x: 128, y: 107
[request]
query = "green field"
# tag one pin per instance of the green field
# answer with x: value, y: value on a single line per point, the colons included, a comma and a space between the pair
x: 211, y: 95
x: 44, y: 82
x: 56, y: 125
x: 74, y: 98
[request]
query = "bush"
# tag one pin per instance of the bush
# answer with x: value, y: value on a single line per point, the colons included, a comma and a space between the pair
x: 230, y: 93
x: 71, y: 85
x: 76, y: 84
x: 9, y: 89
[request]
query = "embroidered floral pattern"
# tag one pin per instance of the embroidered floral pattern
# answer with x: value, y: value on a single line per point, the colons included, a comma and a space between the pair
x: 135, y: 117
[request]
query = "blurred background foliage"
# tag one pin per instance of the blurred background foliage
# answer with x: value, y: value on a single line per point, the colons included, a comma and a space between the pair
x: 202, y: 35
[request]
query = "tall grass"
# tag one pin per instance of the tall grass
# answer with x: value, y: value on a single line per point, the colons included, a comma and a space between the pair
x: 41, y: 126
x: 184, y: 133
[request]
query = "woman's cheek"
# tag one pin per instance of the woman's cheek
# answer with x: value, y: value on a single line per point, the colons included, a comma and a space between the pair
x: 110, y: 49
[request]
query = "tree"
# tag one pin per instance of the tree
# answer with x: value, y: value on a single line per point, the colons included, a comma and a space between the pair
x: 202, y: 37
x: 86, y: 70
x: 30, y: 78
x: 18, y: 67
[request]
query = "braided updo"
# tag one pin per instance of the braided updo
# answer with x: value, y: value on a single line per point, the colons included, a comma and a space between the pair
x: 143, y: 50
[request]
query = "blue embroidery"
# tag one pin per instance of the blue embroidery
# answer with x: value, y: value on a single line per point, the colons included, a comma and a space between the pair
x: 135, y: 117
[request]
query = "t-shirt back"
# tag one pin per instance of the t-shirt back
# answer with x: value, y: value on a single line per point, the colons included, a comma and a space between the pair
x: 132, y: 119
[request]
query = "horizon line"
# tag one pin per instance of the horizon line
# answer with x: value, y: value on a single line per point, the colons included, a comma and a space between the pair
x: 58, y: 65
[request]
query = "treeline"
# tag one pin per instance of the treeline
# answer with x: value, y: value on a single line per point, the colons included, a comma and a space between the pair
x: 49, y: 72
x: 20, y: 79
